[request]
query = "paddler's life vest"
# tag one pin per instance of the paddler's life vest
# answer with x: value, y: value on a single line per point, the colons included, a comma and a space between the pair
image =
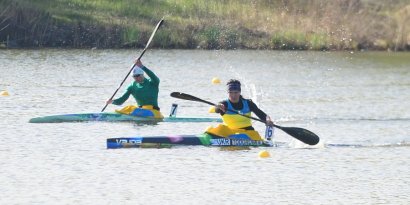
x: 144, y: 111
x: 235, y: 121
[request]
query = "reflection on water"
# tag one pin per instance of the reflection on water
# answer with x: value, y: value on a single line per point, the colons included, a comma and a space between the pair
x: 356, y: 102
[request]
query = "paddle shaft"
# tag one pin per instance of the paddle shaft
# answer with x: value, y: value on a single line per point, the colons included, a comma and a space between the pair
x: 132, y: 67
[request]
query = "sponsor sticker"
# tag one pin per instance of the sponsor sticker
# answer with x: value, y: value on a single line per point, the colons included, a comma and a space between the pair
x: 129, y: 141
x: 220, y: 142
x: 235, y: 142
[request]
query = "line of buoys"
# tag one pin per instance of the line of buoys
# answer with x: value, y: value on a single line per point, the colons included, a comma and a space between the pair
x: 4, y: 93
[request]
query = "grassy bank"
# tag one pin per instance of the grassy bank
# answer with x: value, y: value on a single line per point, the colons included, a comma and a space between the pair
x: 211, y: 24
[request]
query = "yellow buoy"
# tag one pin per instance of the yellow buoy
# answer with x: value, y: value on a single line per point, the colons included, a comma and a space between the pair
x: 216, y: 80
x: 4, y: 93
x: 264, y: 154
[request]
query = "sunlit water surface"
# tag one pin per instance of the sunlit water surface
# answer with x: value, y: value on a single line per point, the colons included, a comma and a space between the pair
x: 358, y: 103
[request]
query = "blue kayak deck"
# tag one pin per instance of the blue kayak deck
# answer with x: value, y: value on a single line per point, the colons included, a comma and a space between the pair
x: 204, y: 139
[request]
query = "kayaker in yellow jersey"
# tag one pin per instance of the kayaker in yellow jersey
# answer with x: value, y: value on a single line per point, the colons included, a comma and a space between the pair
x: 144, y: 90
x: 234, y: 123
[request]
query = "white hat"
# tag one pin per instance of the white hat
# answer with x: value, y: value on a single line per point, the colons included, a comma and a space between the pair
x: 137, y: 71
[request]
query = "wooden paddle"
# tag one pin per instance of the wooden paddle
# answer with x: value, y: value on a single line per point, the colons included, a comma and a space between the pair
x: 142, y: 53
x: 301, y: 134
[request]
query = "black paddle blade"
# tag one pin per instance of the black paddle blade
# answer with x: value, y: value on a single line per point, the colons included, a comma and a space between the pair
x: 301, y: 134
x: 182, y: 96
x: 185, y: 96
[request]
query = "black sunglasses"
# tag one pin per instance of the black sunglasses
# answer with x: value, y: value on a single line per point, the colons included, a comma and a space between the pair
x: 138, y: 75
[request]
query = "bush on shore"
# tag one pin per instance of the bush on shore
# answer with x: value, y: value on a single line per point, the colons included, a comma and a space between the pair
x: 212, y: 24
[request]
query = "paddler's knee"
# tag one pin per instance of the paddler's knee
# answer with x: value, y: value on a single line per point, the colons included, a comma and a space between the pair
x: 220, y: 130
x: 127, y: 110
x: 224, y: 131
x: 145, y: 111
x: 254, y: 135
x: 157, y: 114
x: 155, y: 111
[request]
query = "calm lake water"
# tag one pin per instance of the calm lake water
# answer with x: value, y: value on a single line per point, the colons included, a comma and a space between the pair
x: 358, y: 103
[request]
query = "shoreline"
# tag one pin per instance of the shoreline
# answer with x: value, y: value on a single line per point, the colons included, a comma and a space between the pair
x: 197, y: 49
x: 352, y: 25
x: 202, y: 49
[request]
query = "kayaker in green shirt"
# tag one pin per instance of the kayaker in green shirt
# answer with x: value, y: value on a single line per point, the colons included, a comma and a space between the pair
x: 145, y: 92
